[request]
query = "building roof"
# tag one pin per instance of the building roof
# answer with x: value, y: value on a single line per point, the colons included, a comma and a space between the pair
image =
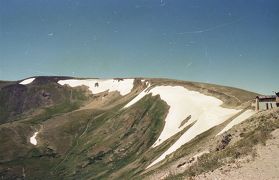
x: 267, y: 97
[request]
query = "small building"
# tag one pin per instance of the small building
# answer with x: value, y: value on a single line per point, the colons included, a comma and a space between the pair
x: 267, y: 102
x: 277, y: 99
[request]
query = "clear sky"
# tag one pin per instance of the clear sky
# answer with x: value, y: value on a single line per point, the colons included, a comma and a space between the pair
x: 228, y: 42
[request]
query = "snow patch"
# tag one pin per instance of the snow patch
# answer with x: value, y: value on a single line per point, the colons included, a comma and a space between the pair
x: 96, y: 86
x: 242, y: 117
x: 33, y: 139
x: 205, y: 110
x: 27, y: 81
x: 138, y: 97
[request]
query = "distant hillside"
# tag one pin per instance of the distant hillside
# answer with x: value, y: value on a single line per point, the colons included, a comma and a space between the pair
x: 139, y: 128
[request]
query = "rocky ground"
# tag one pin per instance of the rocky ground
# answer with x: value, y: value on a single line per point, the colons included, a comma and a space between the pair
x: 264, y: 166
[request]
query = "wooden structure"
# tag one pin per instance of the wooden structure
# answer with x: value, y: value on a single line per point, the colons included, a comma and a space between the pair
x: 267, y: 102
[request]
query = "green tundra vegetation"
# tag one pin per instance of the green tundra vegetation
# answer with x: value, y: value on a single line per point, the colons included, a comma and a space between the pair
x: 110, y: 142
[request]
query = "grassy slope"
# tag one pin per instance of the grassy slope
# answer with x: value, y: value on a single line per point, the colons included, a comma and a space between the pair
x: 95, y: 144
x: 74, y: 145
x: 18, y: 101
x: 134, y: 131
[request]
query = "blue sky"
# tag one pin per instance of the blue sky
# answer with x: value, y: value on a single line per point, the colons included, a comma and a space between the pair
x: 234, y: 43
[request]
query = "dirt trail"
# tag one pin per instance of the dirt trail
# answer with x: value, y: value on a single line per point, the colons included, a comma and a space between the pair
x: 264, y: 167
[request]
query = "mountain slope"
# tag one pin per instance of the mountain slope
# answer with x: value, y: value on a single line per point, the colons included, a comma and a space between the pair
x: 108, y: 129
x: 248, y: 150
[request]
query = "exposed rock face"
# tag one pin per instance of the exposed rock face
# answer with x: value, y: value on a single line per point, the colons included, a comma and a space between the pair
x: 224, y: 142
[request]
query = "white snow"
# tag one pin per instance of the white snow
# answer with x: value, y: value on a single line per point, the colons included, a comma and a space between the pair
x: 138, y: 97
x: 205, y: 110
x: 27, y: 81
x: 100, y: 85
x: 33, y: 139
x: 242, y: 117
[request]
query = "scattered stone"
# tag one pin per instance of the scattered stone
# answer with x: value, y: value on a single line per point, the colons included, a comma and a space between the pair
x: 224, y: 142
